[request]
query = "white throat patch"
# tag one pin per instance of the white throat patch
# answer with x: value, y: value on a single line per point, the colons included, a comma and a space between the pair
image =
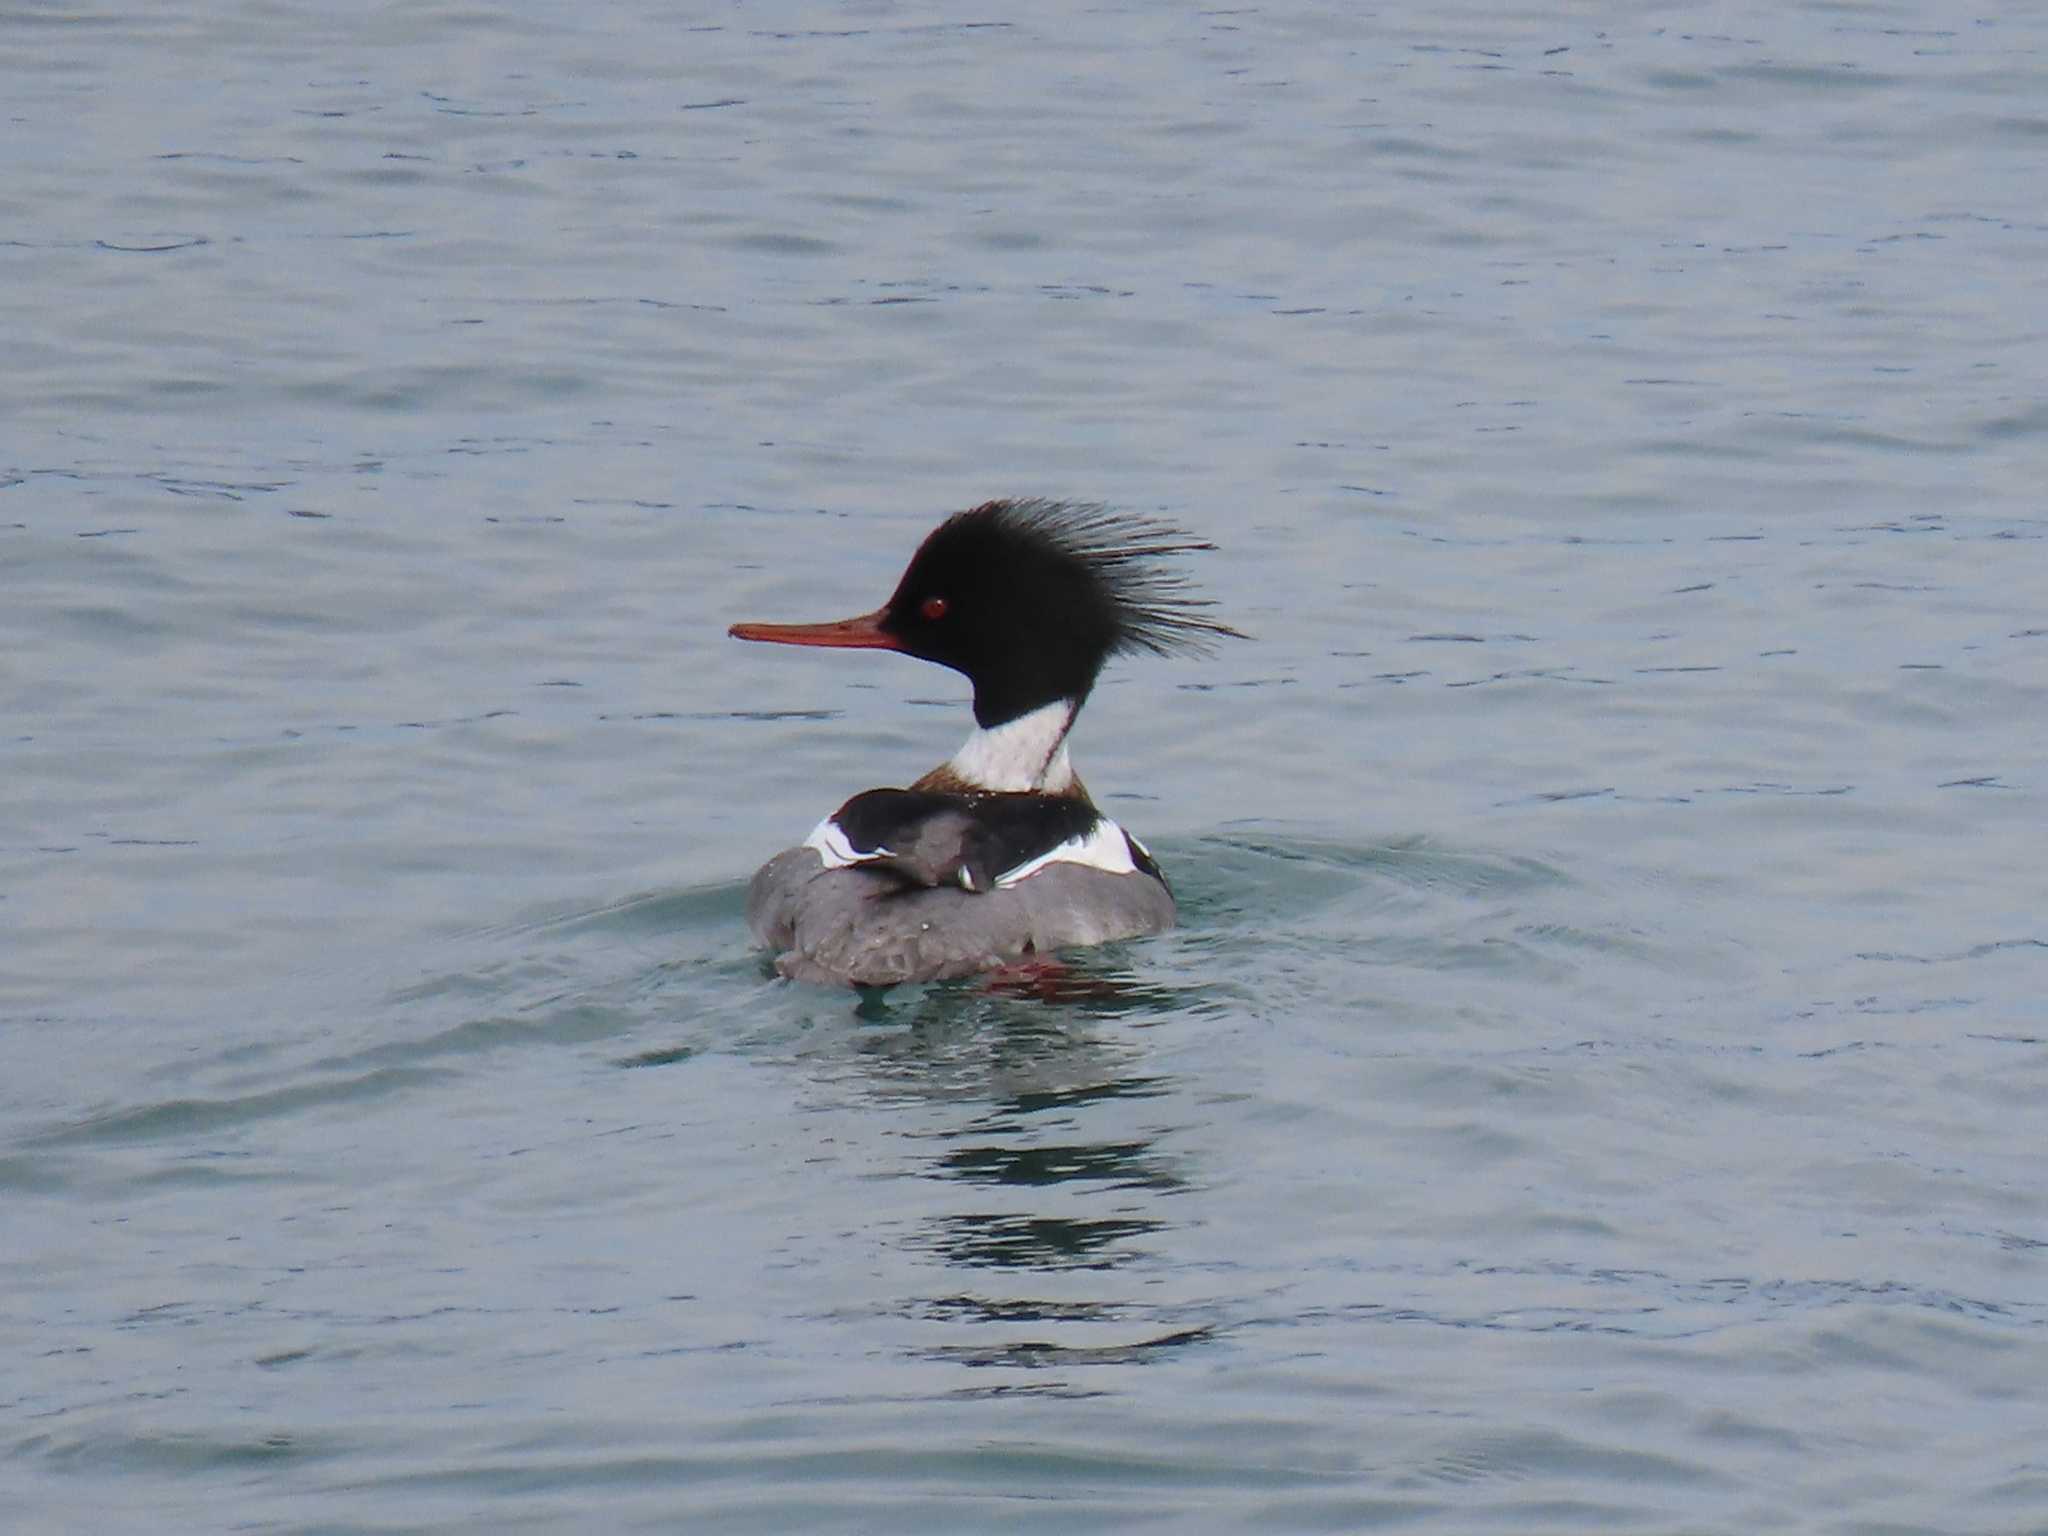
x: 1028, y: 753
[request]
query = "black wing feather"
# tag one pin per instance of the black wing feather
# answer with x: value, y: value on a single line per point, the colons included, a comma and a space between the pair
x: 930, y: 837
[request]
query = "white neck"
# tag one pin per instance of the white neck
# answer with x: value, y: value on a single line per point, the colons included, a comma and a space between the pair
x: 1028, y: 753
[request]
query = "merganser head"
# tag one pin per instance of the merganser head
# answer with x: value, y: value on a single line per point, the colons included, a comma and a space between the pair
x: 1028, y: 599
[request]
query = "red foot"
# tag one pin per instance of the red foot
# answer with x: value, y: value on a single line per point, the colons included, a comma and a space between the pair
x: 1050, y: 981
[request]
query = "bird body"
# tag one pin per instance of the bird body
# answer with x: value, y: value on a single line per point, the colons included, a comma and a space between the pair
x: 998, y: 855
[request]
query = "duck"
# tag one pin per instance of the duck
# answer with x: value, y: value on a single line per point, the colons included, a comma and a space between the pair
x: 998, y: 857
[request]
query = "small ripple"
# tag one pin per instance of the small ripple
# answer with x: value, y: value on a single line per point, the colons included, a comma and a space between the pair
x: 1974, y: 952
x: 1037, y: 1354
x: 667, y: 913
x: 172, y: 243
x: 178, y: 1454
x: 568, y: 1023
x: 1413, y: 861
x: 1549, y: 1453
x: 1651, y: 1304
x: 172, y: 1118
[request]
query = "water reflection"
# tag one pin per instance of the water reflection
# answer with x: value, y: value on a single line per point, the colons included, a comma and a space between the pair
x: 1034, y: 1353
x: 1130, y: 1163
x: 996, y: 1240
x: 1053, y: 1171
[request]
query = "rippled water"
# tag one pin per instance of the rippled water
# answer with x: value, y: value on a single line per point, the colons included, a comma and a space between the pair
x: 1596, y: 1082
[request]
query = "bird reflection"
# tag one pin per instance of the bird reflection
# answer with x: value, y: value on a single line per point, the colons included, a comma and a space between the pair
x: 1059, y: 1169
x: 997, y: 1241
x: 1127, y: 1164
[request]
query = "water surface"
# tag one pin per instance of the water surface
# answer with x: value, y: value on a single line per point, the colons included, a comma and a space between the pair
x: 1593, y: 1084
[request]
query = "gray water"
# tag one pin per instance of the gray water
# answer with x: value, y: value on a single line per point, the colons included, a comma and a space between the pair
x: 1597, y: 1083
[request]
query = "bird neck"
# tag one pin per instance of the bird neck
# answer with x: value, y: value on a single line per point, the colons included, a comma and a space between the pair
x: 1025, y: 755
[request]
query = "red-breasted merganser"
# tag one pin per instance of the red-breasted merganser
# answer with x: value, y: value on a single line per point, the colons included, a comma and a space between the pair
x: 997, y: 856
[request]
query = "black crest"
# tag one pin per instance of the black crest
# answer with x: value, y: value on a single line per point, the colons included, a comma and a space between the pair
x: 1030, y: 597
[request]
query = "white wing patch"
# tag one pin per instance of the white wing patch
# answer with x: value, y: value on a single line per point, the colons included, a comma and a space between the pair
x: 1104, y: 848
x: 828, y: 838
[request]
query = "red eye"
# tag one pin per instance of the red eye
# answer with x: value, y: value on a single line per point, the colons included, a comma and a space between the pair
x: 933, y: 608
